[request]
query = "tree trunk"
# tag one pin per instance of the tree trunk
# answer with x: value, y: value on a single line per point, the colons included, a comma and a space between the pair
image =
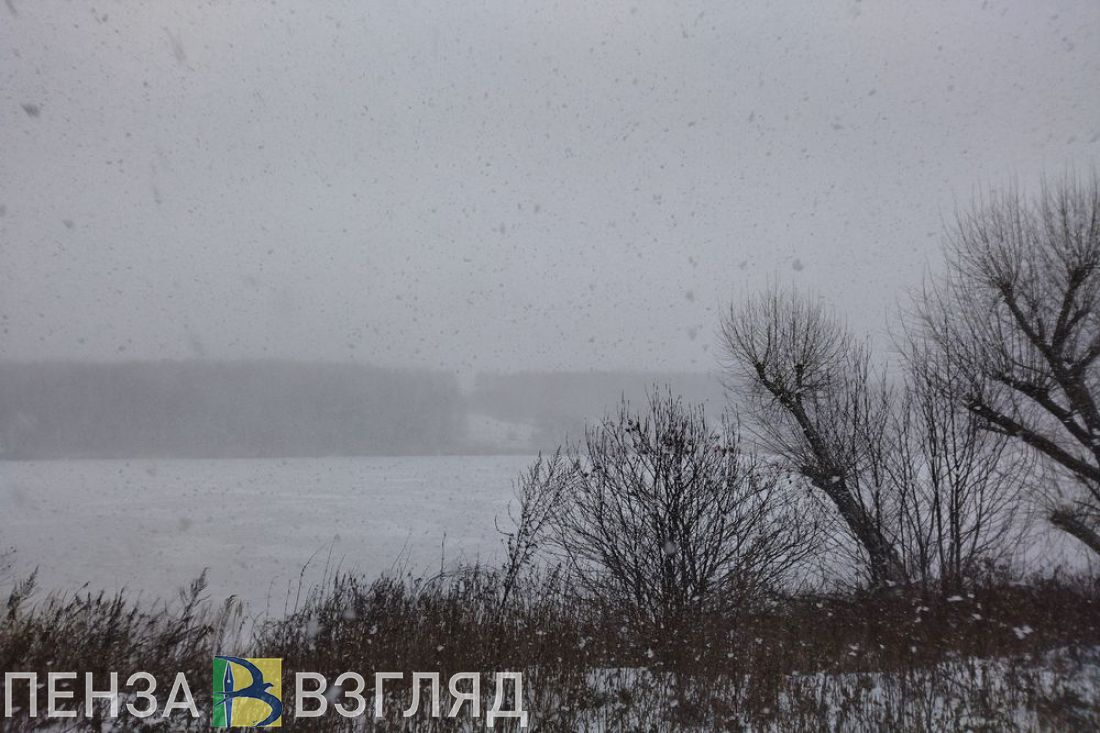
x: 885, y: 565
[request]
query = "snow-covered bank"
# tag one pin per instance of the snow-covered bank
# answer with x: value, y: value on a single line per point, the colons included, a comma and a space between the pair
x: 153, y: 525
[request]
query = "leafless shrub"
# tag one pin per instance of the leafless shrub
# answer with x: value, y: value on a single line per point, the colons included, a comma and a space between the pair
x: 665, y: 517
x: 539, y: 491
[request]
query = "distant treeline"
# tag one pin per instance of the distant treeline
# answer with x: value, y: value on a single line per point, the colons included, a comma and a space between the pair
x: 250, y: 409
x: 224, y: 409
x: 558, y: 404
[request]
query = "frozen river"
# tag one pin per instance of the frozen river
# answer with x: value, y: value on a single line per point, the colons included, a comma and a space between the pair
x: 152, y: 525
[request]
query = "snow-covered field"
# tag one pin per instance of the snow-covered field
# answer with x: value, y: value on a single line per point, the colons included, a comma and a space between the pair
x: 152, y: 525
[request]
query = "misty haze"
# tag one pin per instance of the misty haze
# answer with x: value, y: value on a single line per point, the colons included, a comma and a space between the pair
x: 711, y: 366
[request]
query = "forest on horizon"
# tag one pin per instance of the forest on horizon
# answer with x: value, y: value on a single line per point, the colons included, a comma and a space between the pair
x: 275, y: 408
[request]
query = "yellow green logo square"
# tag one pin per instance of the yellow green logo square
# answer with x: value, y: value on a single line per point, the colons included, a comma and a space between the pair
x: 248, y: 692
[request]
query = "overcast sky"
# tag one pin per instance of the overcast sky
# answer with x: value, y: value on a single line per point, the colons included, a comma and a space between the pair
x: 501, y: 185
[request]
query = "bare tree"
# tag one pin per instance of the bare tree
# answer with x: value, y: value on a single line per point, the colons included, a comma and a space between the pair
x: 665, y: 516
x: 1019, y: 308
x: 956, y: 486
x: 821, y: 408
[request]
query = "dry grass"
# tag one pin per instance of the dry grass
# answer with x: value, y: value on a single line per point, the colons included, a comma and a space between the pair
x: 1002, y: 656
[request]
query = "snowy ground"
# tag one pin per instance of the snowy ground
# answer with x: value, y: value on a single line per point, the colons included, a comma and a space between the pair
x: 151, y: 525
